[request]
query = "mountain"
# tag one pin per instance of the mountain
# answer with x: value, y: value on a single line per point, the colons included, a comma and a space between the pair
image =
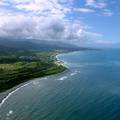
x: 42, y: 45
x: 32, y: 44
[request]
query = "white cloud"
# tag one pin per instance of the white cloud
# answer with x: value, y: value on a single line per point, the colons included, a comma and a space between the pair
x: 45, y: 20
x: 96, y: 4
x: 99, y: 5
x: 84, y: 10
x: 39, y: 7
x: 44, y: 7
x: 45, y: 28
x: 107, y: 12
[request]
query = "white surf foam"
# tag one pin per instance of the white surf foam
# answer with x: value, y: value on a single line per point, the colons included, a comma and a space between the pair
x: 11, y: 93
x: 63, y: 78
x: 35, y: 82
x: 45, y: 78
x: 9, y: 113
x: 74, y: 73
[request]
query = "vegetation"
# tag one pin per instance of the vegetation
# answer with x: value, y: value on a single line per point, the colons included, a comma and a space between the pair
x: 20, y: 66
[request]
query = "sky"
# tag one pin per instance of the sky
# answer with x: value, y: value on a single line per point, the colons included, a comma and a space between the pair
x: 80, y: 22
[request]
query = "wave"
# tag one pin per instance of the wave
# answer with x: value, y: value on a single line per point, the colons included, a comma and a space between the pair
x: 74, y: 73
x: 9, y: 113
x: 45, y: 78
x: 11, y: 93
x: 63, y: 78
x: 71, y: 74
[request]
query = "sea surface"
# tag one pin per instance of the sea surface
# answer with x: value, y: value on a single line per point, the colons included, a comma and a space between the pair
x: 89, y: 90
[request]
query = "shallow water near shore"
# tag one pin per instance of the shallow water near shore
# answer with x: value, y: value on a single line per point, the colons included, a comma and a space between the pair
x: 90, y: 90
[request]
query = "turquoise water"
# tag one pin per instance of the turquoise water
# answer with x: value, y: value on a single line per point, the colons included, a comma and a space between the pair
x: 90, y: 90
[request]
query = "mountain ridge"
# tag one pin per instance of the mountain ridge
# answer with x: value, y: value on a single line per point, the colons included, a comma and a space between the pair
x: 41, y: 45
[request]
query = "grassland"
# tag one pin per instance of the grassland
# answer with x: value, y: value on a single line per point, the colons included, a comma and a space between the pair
x: 20, y: 66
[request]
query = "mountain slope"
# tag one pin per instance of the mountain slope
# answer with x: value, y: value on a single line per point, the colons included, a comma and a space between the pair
x: 36, y: 45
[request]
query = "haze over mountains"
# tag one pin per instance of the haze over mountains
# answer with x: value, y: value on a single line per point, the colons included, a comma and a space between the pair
x: 42, y: 45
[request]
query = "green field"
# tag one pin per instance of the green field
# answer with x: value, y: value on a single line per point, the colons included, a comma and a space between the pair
x: 20, y: 66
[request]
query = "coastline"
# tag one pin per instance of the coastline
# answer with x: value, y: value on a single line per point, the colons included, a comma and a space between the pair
x: 6, y: 94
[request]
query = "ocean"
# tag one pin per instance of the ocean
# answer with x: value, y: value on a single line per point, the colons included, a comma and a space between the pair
x: 88, y: 90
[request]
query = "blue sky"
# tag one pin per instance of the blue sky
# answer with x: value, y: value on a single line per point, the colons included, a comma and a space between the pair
x: 81, y: 22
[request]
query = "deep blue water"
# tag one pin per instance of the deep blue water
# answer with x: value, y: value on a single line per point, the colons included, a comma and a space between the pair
x: 90, y: 90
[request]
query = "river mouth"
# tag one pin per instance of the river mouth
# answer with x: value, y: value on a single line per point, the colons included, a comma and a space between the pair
x: 88, y: 91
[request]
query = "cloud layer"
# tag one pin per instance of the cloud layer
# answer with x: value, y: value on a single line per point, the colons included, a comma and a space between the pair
x: 47, y: 20
x: 44, y: 28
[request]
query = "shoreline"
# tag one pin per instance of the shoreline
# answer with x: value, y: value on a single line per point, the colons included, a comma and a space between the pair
x: 6, y: 94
